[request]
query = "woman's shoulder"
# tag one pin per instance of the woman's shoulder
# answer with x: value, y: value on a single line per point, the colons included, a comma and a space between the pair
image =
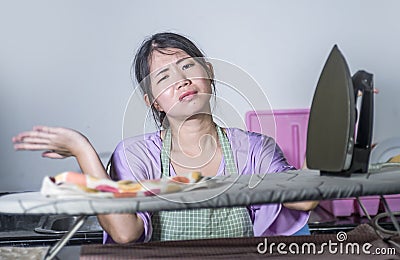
x: 151, y: 141
x: 250, y: 141
x: 237, y: 133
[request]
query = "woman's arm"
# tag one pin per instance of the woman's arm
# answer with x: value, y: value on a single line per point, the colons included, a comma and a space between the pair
x: 302, y: 205
x: 58, y: 143
x: 275, y: 161
x: 123, y: 228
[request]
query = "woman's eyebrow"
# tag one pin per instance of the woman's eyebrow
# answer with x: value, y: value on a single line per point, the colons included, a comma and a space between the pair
x: 182, y: 59
x: 161, y: 71
x: 177, y: 62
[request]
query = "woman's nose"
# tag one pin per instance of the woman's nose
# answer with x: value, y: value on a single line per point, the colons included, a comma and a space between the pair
x: 184, y: 83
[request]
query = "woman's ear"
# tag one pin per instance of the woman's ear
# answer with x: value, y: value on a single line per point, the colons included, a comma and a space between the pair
x: 148, y: 103
x: 147, y: 100
x: 157, y: 106
x: 211, y: 70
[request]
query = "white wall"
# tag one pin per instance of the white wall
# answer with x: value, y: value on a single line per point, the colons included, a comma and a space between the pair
x: 67, y: 63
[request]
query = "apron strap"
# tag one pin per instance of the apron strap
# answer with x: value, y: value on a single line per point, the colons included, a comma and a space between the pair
x: 230, y: 166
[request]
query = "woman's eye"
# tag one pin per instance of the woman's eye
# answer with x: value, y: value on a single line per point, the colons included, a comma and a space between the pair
x: 163, y: 78
x: 187, y: 66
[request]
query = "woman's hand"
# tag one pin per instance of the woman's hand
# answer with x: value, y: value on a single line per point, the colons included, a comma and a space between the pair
x: 301, y: 205
x: 56, y: 142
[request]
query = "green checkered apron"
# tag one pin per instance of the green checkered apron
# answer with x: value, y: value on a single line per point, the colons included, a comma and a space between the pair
x: 201, y: 223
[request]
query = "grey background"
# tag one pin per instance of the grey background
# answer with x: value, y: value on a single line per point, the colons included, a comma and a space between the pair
x: 67, y: 63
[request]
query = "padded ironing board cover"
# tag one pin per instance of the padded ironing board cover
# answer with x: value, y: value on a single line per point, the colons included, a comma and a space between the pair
x: 228, y: 191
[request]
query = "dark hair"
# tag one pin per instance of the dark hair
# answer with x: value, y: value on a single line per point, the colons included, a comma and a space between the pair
x: 159, y: 42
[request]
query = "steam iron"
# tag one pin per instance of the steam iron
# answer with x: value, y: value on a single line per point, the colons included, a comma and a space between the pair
x: 333, y: 145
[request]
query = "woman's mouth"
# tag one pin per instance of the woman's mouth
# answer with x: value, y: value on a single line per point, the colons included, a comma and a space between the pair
x: 187, y: 95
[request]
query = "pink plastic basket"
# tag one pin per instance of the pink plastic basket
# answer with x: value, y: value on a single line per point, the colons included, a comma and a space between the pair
x: 393, y: 202
x: 339, y: 207
x: 290, y: 132
x: 289, y: 129
x: 371, y: 204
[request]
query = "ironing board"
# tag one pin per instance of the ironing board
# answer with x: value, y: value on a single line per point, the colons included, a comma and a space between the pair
x: 291, y: 186
x: 227, y: 191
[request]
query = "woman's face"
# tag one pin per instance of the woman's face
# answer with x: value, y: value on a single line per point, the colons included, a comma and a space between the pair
x: 180, y: 85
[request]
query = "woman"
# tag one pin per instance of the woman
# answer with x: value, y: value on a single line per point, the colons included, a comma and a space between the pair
x: 177, y: 83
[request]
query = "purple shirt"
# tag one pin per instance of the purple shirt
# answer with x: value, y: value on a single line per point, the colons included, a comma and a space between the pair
x: 138, y: 158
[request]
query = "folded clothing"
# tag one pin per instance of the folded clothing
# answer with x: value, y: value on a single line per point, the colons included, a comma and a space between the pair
x: 394, y: 159
x: 72, y: 184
